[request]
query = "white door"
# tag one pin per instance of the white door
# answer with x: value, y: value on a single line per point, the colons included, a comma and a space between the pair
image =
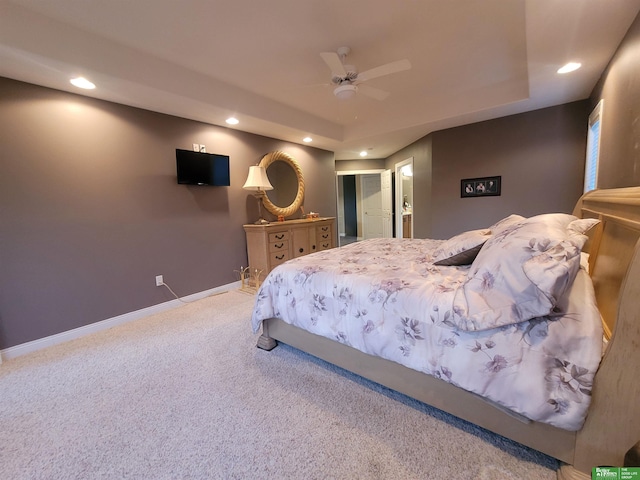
x: 387, y: 203
x: 371, y: 206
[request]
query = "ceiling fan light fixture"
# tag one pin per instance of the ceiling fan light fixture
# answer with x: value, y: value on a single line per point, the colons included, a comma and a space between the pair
x: 345, y: 92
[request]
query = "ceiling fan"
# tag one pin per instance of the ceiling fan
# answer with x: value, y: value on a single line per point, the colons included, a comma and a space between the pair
x: 348, y: 81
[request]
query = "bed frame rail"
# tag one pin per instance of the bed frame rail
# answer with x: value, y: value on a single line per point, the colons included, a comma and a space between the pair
x: 545, y: 438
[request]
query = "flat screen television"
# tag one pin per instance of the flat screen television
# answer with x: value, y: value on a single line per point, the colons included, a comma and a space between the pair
x: 195, y: 168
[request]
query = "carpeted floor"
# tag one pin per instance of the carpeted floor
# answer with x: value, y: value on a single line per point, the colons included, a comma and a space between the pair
x: 186, y: 395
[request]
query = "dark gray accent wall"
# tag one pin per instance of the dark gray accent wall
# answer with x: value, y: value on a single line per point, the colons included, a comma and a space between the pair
x: 619, y: 86
x: 90, y: 211
x: 539, y: 155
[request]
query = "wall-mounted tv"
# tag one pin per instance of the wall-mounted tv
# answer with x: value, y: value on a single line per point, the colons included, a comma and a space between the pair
x: 195, y: 168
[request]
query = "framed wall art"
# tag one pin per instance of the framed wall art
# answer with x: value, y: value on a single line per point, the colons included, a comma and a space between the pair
x: 480, y: 187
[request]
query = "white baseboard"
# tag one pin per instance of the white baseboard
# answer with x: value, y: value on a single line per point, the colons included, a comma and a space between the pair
x: 25, y: 348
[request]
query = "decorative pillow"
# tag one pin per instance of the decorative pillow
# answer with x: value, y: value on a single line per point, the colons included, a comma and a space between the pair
x: 461, y: 249
x: 520, y: 273
x: 505, y: 223
x: 548, y: 273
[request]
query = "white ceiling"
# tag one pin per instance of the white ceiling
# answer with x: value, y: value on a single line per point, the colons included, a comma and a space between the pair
x: 471, y: 60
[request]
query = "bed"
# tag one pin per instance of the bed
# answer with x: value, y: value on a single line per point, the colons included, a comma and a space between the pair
x: 555, y: 323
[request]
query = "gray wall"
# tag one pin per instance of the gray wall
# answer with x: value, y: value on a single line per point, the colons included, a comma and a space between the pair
x: 539, y: 155
x: 619, y: 86
x: 91, y: 212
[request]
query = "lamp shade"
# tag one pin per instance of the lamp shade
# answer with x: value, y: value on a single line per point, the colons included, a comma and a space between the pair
x: 257, y: 179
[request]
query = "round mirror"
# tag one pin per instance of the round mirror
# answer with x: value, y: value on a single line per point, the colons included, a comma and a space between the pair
x: 288, y: 185
x: 285, y: 183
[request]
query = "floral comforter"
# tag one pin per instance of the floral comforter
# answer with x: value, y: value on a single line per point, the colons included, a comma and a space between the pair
x: 385, y: 298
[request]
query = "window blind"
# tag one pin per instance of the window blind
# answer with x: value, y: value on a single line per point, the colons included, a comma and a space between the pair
x: 593, y: 149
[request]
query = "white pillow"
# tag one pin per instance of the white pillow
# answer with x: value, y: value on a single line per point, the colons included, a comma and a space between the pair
x: 461, y: 249
x: 582, y: 225
x: 584, y: 261
x: 520, y: 273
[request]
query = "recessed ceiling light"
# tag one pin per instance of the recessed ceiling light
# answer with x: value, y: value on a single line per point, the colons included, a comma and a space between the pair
x: 569, y: 67
x: 82, y: 82
x: 363, y: 153
x: 307, y: 139
x: 232, y: 121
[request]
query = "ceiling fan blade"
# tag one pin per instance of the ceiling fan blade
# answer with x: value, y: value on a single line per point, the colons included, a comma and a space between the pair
x: 387, y: 69
x: 373, y: 92
x: 333, y: 61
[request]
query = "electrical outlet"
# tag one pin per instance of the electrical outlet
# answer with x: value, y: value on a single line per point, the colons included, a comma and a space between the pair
x: 203, y: 148
x: 196, y: 147
x: 159, y: 281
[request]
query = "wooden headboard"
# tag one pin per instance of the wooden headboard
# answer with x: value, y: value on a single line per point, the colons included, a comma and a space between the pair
x: 613, y: 421
x: 612, y: 244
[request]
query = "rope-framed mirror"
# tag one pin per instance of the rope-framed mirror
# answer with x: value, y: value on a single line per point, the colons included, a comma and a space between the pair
x: 285, y: 211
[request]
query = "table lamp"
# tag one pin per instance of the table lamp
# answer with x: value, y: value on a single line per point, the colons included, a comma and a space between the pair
x: 258, y: 182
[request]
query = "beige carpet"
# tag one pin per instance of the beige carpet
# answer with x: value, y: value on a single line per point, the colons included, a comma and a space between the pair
x: 186, y: 395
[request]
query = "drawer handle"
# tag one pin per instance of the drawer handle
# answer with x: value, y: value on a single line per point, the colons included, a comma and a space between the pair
x: 301, y: 250
x: 280, y: 236
x: 324, y: 229
x: 278, y: 245
x: 325, y: 245
x: 280, y: 257
x: 325, y: 235
x: 313, y: 247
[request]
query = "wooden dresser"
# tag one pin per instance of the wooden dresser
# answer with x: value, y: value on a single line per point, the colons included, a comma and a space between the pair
x: 271, y: 244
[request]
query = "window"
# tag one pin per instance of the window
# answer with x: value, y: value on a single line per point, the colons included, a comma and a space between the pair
x: 593, y: 148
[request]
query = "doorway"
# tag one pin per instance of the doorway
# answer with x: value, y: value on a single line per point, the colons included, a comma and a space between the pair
x: 349, y: 232
x: 364, y: 205
x: 404, y: 211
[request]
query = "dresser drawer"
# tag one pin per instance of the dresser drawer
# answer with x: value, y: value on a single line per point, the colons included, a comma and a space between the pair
x: 276, y: 258
x: 278, y: 246
x: 324, y: 245
x: 276, y: 237
x: 323, y: 237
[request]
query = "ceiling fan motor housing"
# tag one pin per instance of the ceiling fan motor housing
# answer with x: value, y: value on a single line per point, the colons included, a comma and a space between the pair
x: 350, y: 77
